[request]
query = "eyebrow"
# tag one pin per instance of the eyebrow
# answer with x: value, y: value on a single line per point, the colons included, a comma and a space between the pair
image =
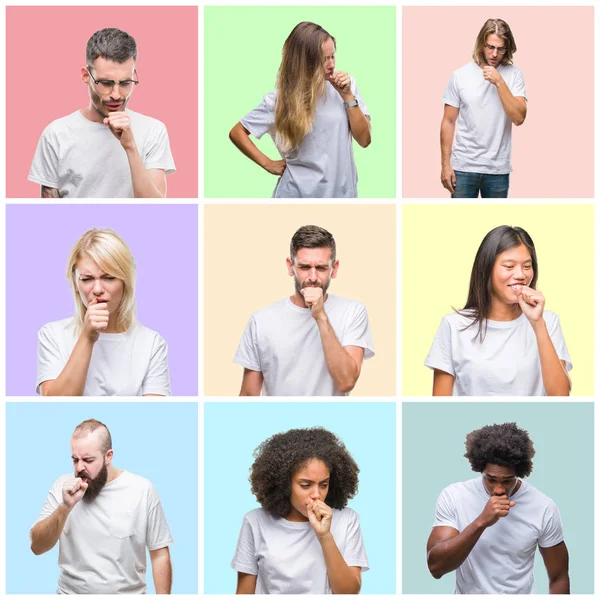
x: 311, y: 481
x: 309, y: 265
x: 506, y: 478
x: 83, y: 457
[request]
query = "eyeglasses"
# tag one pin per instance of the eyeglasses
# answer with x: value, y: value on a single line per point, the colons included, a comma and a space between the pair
x: 501, y: 50
x: 107, y: 85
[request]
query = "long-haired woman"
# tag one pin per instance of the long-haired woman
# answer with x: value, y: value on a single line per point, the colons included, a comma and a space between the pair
x: 304, y: 540
x: 102, y: 350
x: 312, y: 117
x: 503, y: 342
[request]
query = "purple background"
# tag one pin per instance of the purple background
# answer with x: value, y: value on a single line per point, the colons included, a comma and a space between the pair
x: 164, y: 243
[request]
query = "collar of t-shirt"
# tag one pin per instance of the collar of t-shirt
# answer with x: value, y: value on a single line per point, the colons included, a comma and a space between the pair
x: 328, y: 302
x: 506, y: 324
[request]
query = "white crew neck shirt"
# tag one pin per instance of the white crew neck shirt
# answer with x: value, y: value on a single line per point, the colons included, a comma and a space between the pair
x: 323, y: 165
x: 102, y: 547
x: 283, y: 342
x: 507, y: 363
x: 286, y: 556
x: 83, y: 159
x: 502, y: 560
x: 483, y: 134
x: 133, y: 363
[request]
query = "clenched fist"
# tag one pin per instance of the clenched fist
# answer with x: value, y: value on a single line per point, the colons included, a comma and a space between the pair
x: 496, y: 508
x: 491, y: 74
x: 531, y: 302
x: 313, y: 298
x: 319, y: 516
x: 96, y: 319
x: 120, y: 126
x: 73, y: 491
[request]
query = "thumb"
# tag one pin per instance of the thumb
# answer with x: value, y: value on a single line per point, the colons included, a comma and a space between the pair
x: 512, y: 503
x: 83, y: 486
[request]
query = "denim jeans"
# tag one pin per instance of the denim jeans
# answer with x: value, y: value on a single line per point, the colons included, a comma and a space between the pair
x: 468, y: 185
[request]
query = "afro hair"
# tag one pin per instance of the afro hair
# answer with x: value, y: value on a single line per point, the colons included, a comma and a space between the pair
x: 278, y: 458
x: 506, y: 445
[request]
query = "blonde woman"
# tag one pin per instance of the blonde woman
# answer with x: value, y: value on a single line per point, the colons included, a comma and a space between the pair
x: 312, y: 117
x: 102, y: 350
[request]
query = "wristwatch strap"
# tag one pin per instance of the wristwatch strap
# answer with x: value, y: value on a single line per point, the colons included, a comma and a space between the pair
x: 351, y: 104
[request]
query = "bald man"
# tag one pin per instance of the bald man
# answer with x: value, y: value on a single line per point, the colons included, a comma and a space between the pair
x: 104, y: 518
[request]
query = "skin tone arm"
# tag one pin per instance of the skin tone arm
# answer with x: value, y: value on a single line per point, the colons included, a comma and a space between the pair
x: 446, y: 140
x: 48, y: 192
x: 515, y: 108
x: 360, y: 127
x: 162, y: 573
x: 556, y: 560
x: 447, y: 549
x: 246, y: 583
x: 251, y: 383
x: 443, y: 383
x: 240, y: 137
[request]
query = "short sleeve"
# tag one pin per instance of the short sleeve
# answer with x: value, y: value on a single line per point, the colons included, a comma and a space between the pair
x: 262, y: 119
x: 53, y: 501
x: 157, y: 379
x: 244, y: 560
x: 451, y: 95
x: 556, y: 335
x: 358, y: 332
x: 440, y: 354
x: 247, y: 353
x: 517, y: 87
x: 552, y: 532
x: 355, y: 554
x: 361, y: 103
x: 44, y: 168
x: 49, y: 361
x: 445, y: 511
x: 158, y: 534
x: 158, y: 153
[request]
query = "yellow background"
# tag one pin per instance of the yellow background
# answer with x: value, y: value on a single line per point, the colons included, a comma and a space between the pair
x: 439, y: 244
x: 244, y: 270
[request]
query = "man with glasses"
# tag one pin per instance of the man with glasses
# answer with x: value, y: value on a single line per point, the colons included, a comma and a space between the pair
x: 487, y: 529
x: 482, y: 101
x: 311, y: 343
x: 105, y: 150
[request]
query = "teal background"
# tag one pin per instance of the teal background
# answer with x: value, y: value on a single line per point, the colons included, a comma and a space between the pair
x: 158, y: 441
x: 232, y: 431
x: 242, y: 52
x: 433, y: 445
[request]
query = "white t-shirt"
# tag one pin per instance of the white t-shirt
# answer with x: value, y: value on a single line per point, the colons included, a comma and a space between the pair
x: 506, y: 364
x: 323, y: 165
x: 501, y: 561
x: 282, y: 341
x: 482, y: 140
x: 286, y: 556
x: 133, y: 363
x: 83, y: 159
x: 102, y: 548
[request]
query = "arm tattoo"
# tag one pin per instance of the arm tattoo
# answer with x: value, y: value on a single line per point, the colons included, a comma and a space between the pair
x: 48, y: 192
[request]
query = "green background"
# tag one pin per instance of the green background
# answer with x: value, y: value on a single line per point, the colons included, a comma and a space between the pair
x: 433, y: 445
x: 242, y: 52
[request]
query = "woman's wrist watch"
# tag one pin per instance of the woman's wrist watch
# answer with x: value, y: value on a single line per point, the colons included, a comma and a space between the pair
x: 351, y: 104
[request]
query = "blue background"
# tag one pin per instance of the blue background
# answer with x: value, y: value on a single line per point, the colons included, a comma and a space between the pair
x: 158, y: 441
x: 231, y: 433
x: 433, y: 448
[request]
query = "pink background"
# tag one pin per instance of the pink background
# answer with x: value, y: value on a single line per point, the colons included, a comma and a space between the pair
x: 45, y: 50
x: 553, y: 151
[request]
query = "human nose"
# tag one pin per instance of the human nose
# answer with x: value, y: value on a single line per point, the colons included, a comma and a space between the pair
x: 98, y: 288
x: 315, y: 494
x: 313, y: 274
x: 80, y: 466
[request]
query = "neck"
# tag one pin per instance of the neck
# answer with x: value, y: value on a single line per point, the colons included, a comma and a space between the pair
x: 113, y: 473
x: 504, y: 312
x: 295, y: 516
x: 91, y: 113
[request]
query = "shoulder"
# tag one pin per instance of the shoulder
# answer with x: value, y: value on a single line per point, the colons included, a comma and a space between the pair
x: 58, y: 328
x: 512, y: 69
x: 268, y: 311
x: 145, y: 121
x: 468, y: 69
x: 458, y: 320
x: 536, y: 496
x: 346, y: 304
x: 147, y: 335
x: 347, y: 515
x: 460, y: 488
x: 63, y: 123
x: 550, y: 316
x: 132, y: 480
x: 256, y: 516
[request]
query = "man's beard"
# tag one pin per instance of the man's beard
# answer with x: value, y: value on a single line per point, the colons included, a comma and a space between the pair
x: 99, y: 105
x: 95, y: 485
x: 308, y: 284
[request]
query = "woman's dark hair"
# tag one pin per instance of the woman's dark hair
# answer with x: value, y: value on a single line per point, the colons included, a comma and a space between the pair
x: 278, y: 458
x: 479, y: 301
x: 506, y: 445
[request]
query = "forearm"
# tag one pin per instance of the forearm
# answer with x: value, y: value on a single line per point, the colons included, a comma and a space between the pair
x: 342, y: 579
x: 162, y: 574
x: 514, y: 109
x: 143, y: 186
x: 556, y: 380
x: 560, y: 584
x: 358, y: 122
x: 446, y: 556
x: 247, y: 147
x: 45, y: 534
x: 446, y: 140
x: 341, y: 366
x: 71, y: 381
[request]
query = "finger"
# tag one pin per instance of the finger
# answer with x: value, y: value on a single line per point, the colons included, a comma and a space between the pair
x: 512, y: 503
x: 84, y: 486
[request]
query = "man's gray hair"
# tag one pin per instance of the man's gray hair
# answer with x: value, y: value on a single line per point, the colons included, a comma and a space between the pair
x: 111, y: 44
x: 312, y: 236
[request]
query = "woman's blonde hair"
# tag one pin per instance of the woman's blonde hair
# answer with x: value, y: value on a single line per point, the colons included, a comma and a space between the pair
x: 501, y: 29
x: 112, y: 256
x: 300, y: 84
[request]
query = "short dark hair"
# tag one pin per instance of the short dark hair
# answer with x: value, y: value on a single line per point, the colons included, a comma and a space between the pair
x: 111, y: 44
x: 281, y: 456
x: 89, y: 426
x: 311, y: 236
x: 506, y: 445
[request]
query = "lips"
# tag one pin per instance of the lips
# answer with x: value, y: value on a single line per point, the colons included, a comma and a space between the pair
x: 114, y: 106
x: 516, y: 286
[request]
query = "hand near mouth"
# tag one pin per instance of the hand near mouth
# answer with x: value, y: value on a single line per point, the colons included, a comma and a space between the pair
x: 491, y: 74
x: 73, y: 491
x: 313, y: 298
x: 120, y: 126
x: 341, y: 82
x: 96, y: 319
x: 319, y: 516
x: 531, y: 302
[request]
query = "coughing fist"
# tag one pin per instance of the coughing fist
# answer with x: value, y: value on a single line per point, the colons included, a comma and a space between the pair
x: 73, y: 491
x: 313, y: 298
x: 319, y: 516
x: 531, y: 302
x: 96, y: 319
x: 120, y: 126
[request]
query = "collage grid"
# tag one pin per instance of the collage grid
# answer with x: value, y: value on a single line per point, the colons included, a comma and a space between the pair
x: 24, y: 421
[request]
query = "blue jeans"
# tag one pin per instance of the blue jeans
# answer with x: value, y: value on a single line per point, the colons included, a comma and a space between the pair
x: 468, y: 185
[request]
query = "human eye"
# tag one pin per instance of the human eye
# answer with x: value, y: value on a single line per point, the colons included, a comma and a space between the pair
x: 322, y: 268
x: 109, y: 277
x: 304, y: 486
x: 325, y: 485
x: 85, y: 279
